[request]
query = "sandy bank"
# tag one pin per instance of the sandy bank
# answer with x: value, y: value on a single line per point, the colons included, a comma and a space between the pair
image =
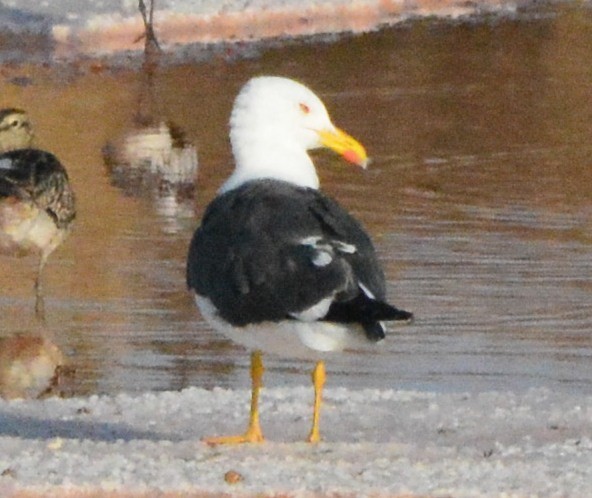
x: 98, y: 28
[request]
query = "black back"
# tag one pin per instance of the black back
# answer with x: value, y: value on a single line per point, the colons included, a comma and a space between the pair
x: 248, y: 258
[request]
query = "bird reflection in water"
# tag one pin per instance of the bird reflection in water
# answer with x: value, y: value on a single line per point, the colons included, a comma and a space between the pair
x: 32, y: 366
x: 154, y: 158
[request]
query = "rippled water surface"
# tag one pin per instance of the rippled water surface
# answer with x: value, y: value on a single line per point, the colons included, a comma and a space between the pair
x: 479, y: 200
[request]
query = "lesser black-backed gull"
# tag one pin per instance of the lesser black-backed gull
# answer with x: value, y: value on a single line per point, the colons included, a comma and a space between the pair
x: 276, y: 265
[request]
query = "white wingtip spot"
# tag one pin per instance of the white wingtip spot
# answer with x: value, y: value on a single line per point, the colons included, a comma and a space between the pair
x: 313, y: 240
x: 315, y: 312
x: 346, y: 248
x: 321, y: 259
x: 6, y: 164
x: 366, y: 291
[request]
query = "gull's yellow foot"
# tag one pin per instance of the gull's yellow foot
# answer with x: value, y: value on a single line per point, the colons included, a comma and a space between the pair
x: 318, y: 379
x: 253, y: 434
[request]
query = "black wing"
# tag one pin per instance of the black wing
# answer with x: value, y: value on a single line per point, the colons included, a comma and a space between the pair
x: 270, y: 251
x: 39, y: 177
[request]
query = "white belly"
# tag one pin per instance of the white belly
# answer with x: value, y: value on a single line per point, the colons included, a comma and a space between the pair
x: 24, y: 228
x: 289, y: 338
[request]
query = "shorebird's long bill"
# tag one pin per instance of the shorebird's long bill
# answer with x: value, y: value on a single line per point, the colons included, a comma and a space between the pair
x: 345, y: 145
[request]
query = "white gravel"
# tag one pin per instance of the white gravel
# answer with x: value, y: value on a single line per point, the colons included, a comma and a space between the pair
x: 376, y: 442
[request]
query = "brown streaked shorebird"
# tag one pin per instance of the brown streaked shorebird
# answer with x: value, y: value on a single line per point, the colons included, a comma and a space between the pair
x: 36, y: 200
x: 154, y: 156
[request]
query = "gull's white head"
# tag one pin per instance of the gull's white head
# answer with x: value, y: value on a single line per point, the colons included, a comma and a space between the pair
x: 274, y: 122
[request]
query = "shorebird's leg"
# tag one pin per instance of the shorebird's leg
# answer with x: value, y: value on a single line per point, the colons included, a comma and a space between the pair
x: 39, y: 299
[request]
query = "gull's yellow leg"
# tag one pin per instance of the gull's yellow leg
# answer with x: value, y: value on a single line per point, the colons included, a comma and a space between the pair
x: 253, y: 433
x: 318, y: 380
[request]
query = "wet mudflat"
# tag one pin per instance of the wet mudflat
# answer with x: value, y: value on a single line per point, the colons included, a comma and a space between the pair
x: 479, y: 200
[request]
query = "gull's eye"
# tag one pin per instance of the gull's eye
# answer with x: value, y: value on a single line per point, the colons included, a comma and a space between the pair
x: 14, y: 123
x: 304, y: 108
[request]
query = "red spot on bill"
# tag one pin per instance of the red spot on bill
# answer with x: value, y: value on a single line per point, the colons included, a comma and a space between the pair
x: 353, y: 157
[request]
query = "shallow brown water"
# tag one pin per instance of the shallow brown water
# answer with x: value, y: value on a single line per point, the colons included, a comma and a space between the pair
x: 479, y: 201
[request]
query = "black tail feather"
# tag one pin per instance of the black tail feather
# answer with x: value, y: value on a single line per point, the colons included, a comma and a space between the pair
x: 374, y: 331
x: 384, y: 311
x: 368, y: 312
